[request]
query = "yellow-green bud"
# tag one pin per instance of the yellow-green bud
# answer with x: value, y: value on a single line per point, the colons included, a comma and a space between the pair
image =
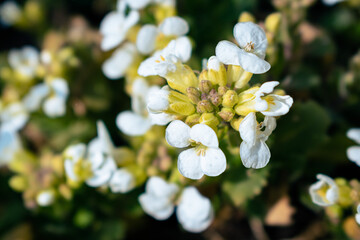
x: 193, y: 94
x: 209, y: 119
x: 65, y: 191
x: 205, y: 86
x: 246, y: 17
x: 227, y: 114
x: 183, y: 108
x: 216, y: 72
x: 230, y: 99
x: 192, y: 119
x: 244, y: 78
x: 182, y: 78
x: 18, y: 183
x: 215, y: 98
x: 272, y: 22
x: 235, y: 123
x: 204, y: 106
x: 345, y: 199
x: 222, y: 90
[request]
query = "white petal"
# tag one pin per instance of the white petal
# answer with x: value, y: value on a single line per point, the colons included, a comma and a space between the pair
x: 256, y: 156
x: 228, y: 53
x: 60, y: 87
x: 132, y: 124
x: 10, y: 12
x: 266, y: 88
x: 122, y: 181
x: 158, y: 208
x: 357, y: 216
x: 252, y: 63
x: 331, y: 2
x: 146, y: 38
x: 194, y: 212
x: 248, y: 129
x: 131, y: 19
x: 54, y: 107
x: 214, y: 63
x: 110, y: 23
x: 214, y: 162
x: 103, y: 174
x: 205, y: 135
x: 270, y: 124
x: 354, y: 134
x: 13, y: 117
x: 159, y: 188
x: 353, y: 153
x: 69, y: 169
x: 75, y: 152
x: 116, y: 66
x: 9, y: 144
x: 45, y: 198
x: 35, y: 96
x: 138, y: 4
x: 183, y: 48
x: 280, y: 106
x: 160, y: 118
x: 248, y: 32
x: 147, y: 67
x: 189, y: 164
x: 105, y: 139
x: 178, y: 134
x: 158, y: 101
x: 332, y: 194
x: 140, y: 87
x: 110, y: 41
x: 174, y: 26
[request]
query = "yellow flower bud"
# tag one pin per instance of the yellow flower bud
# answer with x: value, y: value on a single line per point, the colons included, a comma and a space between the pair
x: 216, y: 72
x: 243, y: 79
x: 132, y: 33
x: 163, y: 11
x: 246, y: 17
x: 124, y: 156
x: 209, y: 119
x: 33, y: 11
x: 182, y: 78
x: 205, y: 86
x: 18, y: 183
x: 182, y: 108
x: 192, y: 119
x: 193, y: 94
x: 230, y: 99
x: 204, y: 106
x: 237, y: 75
x: 235, y: 123
x: 222, y: 90
x: 227, y: 114
x: 215, y: 98
x: 345, y: 199
x: 272, y: 22
x: 65, y: 191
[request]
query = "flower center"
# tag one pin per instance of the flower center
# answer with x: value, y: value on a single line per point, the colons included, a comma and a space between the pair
x: 249, y: 47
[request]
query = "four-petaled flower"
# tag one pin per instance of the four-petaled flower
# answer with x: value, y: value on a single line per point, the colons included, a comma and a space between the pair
x: 325, y: 192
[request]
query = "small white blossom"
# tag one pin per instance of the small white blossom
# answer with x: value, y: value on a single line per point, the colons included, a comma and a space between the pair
x: 45, y: 198
x: 194, y: 212
x: 158, y: 199
x: 10, y: 12
x: 73, y: 155
x: 325, y: 192
x: 205, y: 158
x: 357, y: 215
x: 353, y: 152
x: 116, y: 66
x: 122, y: 181
x: 9, y: 145
x: 254, y: 152
x: 115, y: 26
x: 166, y: 60
x: 175, y: 27
x: 331, y: 2
x: 24, y: 60
x: 13, y: 117
x: 250, y: 56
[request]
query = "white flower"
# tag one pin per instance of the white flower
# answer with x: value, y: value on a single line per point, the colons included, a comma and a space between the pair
x: 116, y: 66
x: 25, y: 60
x: 73, y: 155
x: 166, y: 60
x: 254, y: 152
x: 45, y: 198
x: 9, y: 145
x: 100, y: 154
x: 331, y: 2
x: 10, y: 12
x: 115, y: 26
x: 353, y: 152
x: 122, y: 181
x: 357, y: 215
x: 250, y: 56
x: 194, y: 211
x: 174, y: 27
x: 158, y: 199
x: 55, y: 94
x: 204, y: 158
x: 13, y: 117
x: 325, y: 192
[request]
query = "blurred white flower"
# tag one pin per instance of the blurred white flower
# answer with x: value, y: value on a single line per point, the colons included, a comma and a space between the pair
x: 254, y: 152
x: 324, y: 192
x: 13, y: 117
x: 10, y: 12
x: 194, y: 212
x: 158, y: 199
x: 24, y: 60
x: 74, y: 156
x: 158, y: 102
x: 45, y: 198
x: 116, y: 66
x: 205, y: 157
x: 353, y: 152
x: 357, y: 215
x: 9, y: 145
x: 250, y: 56
x: 115, y: 26
x: 172, y: 27
x: 122, y: 181
x: 53, y: 96
x: 166, y: 60
x: 331, y: 2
